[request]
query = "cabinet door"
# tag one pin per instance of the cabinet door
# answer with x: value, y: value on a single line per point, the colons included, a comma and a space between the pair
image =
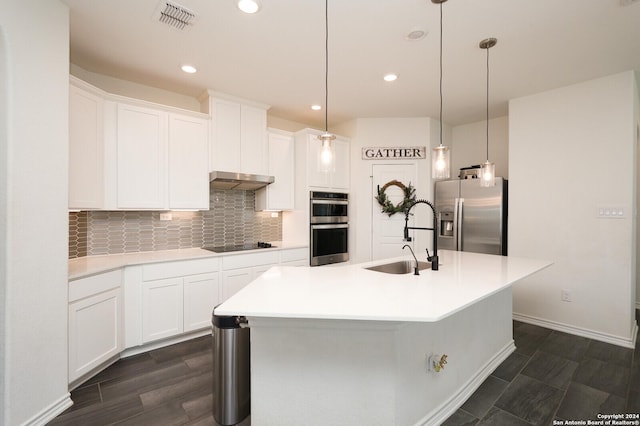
x: 201, y: 295
x: 188, y: 165
x: 86, y: 150
x: 225, y: 152
x: 340, y: 175
x: 141, y: 158
x: 253, y: 140
x: 162, y: 309
x: 95, y: 331
x: 235, y: 280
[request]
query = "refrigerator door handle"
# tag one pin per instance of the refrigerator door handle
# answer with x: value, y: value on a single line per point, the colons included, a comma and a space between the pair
x: 458, y: 221
x: 455, y: 224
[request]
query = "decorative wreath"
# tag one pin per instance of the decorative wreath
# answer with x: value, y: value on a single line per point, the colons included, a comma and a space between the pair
x: 387, y: 206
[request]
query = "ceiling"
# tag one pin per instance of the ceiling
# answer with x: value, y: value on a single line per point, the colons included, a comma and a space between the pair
x: 277, y: 55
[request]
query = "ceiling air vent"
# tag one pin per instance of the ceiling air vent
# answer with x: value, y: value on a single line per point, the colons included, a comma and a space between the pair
x: 174, y: 15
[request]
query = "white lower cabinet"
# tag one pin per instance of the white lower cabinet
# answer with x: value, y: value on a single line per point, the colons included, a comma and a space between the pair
x: 173, y: 303
x: 234, y: 281
x: 201, y: 294
x: 162, y: 309
x: 239, y: 270
x: 95, y: 322
x: 178, y: 305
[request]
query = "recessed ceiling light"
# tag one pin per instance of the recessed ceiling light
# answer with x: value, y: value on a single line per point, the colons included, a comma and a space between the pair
x: 390, y: 77
x: 190, y: 69
x: 248, y: 6
x: 316, y: 107
x: 417, y: 33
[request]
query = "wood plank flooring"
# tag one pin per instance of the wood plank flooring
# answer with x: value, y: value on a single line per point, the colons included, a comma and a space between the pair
x: 551, y: 375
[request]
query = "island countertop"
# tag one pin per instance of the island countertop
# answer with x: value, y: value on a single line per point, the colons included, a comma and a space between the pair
x: 351, y: 292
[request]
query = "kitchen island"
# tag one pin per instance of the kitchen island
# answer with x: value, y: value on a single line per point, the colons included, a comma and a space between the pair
x: 343, y: 345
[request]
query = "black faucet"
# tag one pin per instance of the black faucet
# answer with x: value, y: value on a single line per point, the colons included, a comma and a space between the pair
x: 433, y: 259
x: 415, y: 270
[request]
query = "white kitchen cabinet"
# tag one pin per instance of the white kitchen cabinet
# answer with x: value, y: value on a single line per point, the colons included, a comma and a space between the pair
x: 280, y: 194
x: 316, y: 175
x: 235, y: 280
x: 86, y: 146
x: 141, y: 146
x: 127, y: 154
x: 201, y: 294
x: 238, y: 134
x: 295, y: 257
x: 240, y: 269
x: 188, y: 165
x: 95, y: 322
x: 162, y: 309
x: 177, y: 297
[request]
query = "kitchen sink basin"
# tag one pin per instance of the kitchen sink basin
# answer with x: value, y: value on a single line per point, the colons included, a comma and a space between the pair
x: 400, y: 267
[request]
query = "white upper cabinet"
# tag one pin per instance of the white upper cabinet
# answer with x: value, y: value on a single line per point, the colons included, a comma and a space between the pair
x: 225, y: 141
x: 280, y: 194
x: 126, y: 154
x: 141, y: 147
x: 86, y: 146
x: 238, y: 134
x: 188, y: 164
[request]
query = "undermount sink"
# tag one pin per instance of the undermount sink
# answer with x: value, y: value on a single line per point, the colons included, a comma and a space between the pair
x: 400, y: 267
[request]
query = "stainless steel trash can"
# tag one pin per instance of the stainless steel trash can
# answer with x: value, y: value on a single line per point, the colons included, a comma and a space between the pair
x: 231, y: 369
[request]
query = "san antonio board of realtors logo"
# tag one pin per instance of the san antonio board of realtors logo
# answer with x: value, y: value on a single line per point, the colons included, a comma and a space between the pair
x: 394, y: 153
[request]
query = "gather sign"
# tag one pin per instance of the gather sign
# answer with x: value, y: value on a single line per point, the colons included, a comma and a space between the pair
x: 394, y: 153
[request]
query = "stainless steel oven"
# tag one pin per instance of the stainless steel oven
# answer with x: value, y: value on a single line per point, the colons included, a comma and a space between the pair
x: 329, y: 227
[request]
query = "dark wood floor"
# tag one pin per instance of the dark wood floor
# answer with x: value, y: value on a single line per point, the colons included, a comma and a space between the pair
x: 551, y: 375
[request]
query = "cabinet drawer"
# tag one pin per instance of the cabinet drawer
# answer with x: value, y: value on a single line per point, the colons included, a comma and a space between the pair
x: 248, y: 260
x: 179, y: 268
x: 85, y: 287
x: 294, y: 254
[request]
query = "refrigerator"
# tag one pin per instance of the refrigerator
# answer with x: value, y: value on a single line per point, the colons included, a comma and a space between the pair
x: 470, y: 217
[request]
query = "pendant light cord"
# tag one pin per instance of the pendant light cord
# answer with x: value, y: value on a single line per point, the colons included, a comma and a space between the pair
x: 440, y: 74
x: 326, y: 66
x: 487, y: 104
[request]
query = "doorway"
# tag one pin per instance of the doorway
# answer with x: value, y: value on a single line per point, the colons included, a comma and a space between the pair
x: 387, y: 231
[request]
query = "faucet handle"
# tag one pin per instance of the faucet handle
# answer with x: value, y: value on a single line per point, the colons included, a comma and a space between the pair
x: 407, y: 239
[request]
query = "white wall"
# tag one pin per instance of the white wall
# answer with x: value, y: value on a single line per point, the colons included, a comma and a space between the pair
x: 34, y: 210
x: 130, y: 89
x: 421, y: 131
x: 572, y: 150
x: 469, y: 142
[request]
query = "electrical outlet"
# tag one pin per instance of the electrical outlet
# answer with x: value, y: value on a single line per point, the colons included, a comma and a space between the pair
x: 565, y: 295
x: 166, y: 216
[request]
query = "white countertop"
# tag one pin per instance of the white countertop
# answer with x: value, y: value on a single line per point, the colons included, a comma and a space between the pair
x: 91, y: 265
x: 351, y: 292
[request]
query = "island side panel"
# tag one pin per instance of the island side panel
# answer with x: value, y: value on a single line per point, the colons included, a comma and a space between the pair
x: 318, y: 372
x: 476, y: 340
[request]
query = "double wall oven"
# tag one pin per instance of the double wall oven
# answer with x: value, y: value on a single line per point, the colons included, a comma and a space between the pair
x: 329, y: 227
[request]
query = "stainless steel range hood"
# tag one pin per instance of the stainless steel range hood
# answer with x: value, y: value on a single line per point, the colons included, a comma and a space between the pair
x: 239, y: 181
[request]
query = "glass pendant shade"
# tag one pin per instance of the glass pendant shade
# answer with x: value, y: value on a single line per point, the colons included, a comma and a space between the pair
x: 488, y: 174
x: 440, y: 164
x: 326, y: 151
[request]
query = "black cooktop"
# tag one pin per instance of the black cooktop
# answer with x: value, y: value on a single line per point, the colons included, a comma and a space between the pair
x: 239, y: 247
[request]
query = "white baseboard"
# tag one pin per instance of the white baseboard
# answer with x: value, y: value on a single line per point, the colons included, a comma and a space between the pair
x: 50, y: 412
x: 444, y: 411
x: 629, y: 342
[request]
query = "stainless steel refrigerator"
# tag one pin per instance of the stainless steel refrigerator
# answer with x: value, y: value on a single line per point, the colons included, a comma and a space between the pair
x: 470, y: 217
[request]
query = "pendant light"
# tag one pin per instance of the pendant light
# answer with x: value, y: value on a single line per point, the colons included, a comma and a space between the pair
x: 488, y: 169
x: 326, y: 153
x: 440, y: 163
